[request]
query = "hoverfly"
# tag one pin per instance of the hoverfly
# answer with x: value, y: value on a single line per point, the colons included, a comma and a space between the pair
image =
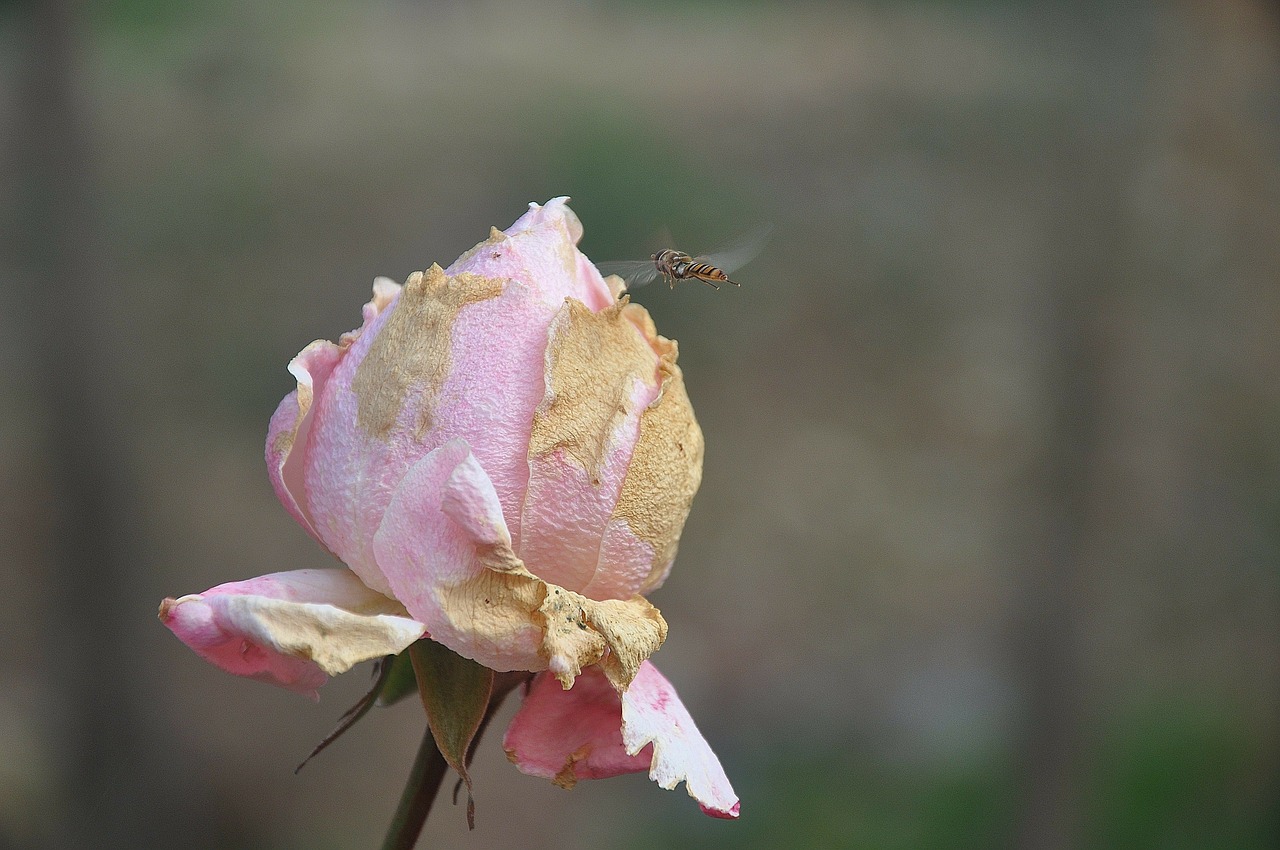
x: 671, y: 265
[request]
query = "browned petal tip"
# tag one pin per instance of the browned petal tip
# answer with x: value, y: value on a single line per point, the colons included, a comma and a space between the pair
x: 166, y: 605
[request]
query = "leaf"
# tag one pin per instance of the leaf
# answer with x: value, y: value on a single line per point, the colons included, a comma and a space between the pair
x: 382, y: 673
x: 455, y: 693
x: 399, y: 682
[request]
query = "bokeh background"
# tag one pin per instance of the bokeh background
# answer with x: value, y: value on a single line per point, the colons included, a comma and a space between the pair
x: 986, y: 553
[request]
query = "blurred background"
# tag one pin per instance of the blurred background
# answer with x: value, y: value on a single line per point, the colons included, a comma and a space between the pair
x: 986, y: 552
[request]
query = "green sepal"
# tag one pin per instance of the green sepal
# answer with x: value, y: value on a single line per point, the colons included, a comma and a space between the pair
x: 400, y: 680
x: 455, y: 693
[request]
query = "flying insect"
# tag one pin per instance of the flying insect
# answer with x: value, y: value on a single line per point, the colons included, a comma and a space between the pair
x: 672, y: 265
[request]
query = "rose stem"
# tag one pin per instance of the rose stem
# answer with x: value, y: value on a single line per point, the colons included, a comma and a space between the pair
x: 419, y: 793
x: 428, y: 772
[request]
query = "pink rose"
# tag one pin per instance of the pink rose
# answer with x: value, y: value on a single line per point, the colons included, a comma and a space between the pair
x: 504, y: 455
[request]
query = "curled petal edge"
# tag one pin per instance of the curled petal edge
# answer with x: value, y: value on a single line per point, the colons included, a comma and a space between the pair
x: 291, y: 423
x: 292, y: 629
x: 385, y: 292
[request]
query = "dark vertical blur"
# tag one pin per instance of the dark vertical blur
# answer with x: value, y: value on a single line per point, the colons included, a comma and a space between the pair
x: 1053, y: 526
x: 119, y: 775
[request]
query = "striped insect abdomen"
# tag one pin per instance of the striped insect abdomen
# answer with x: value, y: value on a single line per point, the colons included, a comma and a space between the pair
x: 706, y: 271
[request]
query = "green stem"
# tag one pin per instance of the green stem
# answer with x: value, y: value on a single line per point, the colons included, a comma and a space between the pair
x: 429, y: 768
x: 419, y: 793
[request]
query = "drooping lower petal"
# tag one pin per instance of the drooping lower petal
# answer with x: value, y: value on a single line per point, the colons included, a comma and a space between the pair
x: 653, y: 714
x: 293, y: 629
x: 445, y: 551
x: 589, y: 732
x: 569, y: 735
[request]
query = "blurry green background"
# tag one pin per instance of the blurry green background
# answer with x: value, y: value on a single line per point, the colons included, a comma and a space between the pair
x: 986, y: 552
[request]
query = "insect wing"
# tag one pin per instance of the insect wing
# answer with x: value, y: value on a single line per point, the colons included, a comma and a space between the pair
x: 634, y: 273
x: 740, y: 252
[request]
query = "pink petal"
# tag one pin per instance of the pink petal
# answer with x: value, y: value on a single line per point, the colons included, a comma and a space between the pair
x: 589, y: 733
x: 569, y: 735
x: 653, y: 714
x: 292, y: 629
x: 290, y: 428
x: 288, y: 433
x: 495, y: 385
x: 584, y: 436
x: 487, y: 396
x: 539, y: 252
x: 626, y: 564
x: 442, y: 517
x: 385, y: 292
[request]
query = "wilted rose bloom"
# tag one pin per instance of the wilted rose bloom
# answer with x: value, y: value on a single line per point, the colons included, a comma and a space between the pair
x: 504, y: 456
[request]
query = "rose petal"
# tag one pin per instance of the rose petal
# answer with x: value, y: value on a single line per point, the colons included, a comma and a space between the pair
x: 494, y: 386
x: 433, y: 566
x: 287, y: 435
x: 539, y: 252
x: 601, y: 374
x: 615, y: 455
x: 385, y: 292
x: 569, y: 735
x: 653, y: 714
x: 451, y: 359
x: 662, y: 479
x: 293, y: 629
x: 590, y: 733
x: 444, y: 548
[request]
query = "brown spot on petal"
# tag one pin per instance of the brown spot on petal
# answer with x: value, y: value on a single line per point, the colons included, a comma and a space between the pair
x: 498, y: 605
x: 593, y: 360
x: 618, y: 634
x: 504, y: 601
x: 666, y: 465
x: 568, y: 775
x: 284, y: 441
x: 412, y: 348
x: 633, y: 630
x: 496, y: 237
x: 166, y: 608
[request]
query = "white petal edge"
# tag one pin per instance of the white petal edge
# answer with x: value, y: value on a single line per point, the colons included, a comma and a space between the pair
x: 653, y: 714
